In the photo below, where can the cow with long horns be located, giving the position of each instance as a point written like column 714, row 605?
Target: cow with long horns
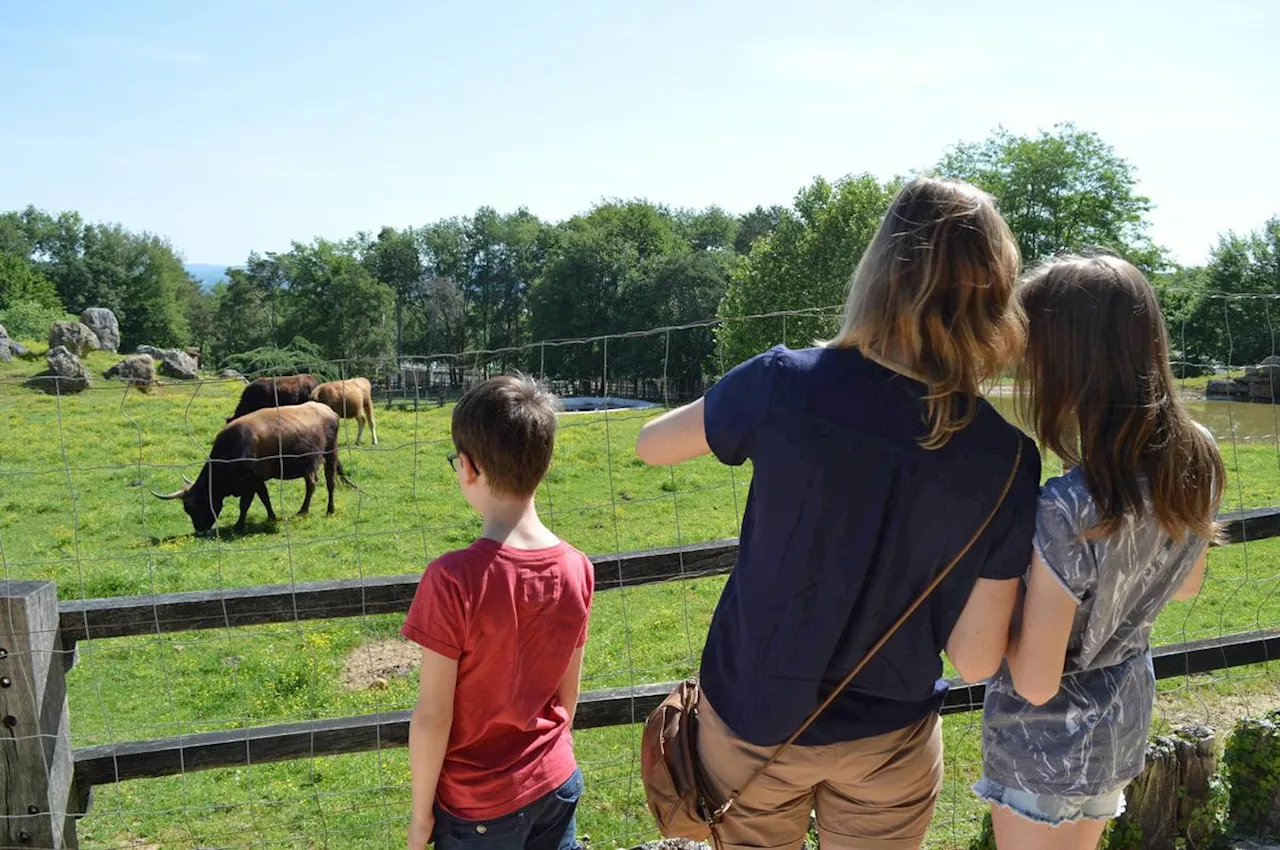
column 273, row 392
column 276, row 442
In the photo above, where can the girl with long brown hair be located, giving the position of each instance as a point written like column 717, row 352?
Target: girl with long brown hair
column 1124, row 530
column 875, row 459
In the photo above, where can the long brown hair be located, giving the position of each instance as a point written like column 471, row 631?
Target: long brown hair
column 934, row 294
column 1097, row 387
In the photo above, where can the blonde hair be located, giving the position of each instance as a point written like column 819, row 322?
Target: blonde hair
column 933, row 293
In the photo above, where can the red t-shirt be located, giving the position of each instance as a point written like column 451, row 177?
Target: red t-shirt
column 512, row 619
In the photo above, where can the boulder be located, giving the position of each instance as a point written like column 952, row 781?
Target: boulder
column 173, row 362
column 66, row 374
column 1270, row 360
column 103, row 323
column 135, row 369
column 73, row 336
column 10, row 348
column 1226, row 387
column 232, row 375
column 1262, row 389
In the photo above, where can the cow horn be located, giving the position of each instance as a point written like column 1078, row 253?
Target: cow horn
column 176, row 494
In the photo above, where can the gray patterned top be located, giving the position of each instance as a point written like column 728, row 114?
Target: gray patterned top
column 1091, row 738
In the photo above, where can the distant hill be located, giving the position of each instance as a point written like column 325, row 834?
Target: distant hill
column 206, row 273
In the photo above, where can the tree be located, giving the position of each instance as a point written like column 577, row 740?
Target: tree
column 672, row 291
column 504, row 254
column 761, row 221
column 20, row 280
column 248, row 307
column 1247, row 330
column 441, row 316
column 394, row 260
column 1061, row 190
column 594, row 277
column 335, row 303
column 805, row 263
column 711, row 229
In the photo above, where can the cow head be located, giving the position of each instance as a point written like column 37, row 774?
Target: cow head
column 200, row 502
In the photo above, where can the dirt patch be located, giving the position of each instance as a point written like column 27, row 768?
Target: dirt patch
column 1220, row 711
column 374, row 665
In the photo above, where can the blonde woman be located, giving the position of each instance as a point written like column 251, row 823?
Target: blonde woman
column 875, row 460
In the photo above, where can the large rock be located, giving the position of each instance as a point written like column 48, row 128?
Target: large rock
column 103, row 323
column 66, row 374
column 1263, row 390
column 10, row 348
column 1226, row 387
column 173, row 363
column 137, row 369
column 73, row 336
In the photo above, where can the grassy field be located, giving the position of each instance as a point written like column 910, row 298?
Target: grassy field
column 75, row 508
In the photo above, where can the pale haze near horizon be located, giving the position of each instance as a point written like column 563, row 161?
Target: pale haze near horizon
column 247, row 125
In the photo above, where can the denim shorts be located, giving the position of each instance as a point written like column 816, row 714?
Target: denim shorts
column 1050, row 809
column 548, row 823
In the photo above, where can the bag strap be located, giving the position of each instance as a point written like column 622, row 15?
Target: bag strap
column 857, row 668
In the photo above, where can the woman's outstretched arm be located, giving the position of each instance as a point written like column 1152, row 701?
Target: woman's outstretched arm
column 675, row 436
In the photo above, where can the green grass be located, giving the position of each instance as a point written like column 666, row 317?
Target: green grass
column 75, row 508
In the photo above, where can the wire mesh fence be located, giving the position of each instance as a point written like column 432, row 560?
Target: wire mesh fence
column 76, row 508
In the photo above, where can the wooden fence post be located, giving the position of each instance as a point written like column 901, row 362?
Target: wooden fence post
column 35, row 738
column 1166, row 801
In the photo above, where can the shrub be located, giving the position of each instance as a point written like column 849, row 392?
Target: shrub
column 1252, row 761
column 29, row 321
column 298, row 357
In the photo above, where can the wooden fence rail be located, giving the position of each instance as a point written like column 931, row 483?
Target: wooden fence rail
column 612, row 707
column 286, row 603
column 46, row 784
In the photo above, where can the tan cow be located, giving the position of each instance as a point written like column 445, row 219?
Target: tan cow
column 350, row 399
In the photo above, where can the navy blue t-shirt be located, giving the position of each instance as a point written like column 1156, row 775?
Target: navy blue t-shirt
column 848, row 519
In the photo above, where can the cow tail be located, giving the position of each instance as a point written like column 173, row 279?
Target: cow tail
column 342, row 474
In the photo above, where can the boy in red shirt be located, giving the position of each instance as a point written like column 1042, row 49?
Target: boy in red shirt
column 502, row 625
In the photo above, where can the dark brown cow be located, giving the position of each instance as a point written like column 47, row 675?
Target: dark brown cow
column 275, row 442
column 270, row 392
column 350, row 399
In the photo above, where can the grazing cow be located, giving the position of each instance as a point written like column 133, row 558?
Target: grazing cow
column 350, row 399
column 270, row 392
column 276, row 442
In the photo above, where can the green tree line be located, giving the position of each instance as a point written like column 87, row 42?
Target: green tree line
column 497, row 282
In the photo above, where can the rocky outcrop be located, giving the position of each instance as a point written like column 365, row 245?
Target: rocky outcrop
column 174, row 363
column 103, row 323
column 74, row 337
column 138, row 369
column 1259, row 383
column 66, row 374
column 10, row 348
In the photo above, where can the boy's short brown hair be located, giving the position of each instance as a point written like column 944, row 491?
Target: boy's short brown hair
column 507, row 426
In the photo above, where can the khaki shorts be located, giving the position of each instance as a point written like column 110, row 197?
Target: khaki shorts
column 872, row 794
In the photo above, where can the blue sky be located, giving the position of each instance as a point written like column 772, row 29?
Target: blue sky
column 243, row 125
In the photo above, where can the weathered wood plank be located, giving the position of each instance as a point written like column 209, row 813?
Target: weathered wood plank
column 612, row 707
column 36, row 764
column 1253, row 524
column 285, row 603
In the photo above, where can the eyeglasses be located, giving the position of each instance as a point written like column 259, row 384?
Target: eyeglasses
column 452, row 457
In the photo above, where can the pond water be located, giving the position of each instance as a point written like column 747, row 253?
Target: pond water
column 1247, row 421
